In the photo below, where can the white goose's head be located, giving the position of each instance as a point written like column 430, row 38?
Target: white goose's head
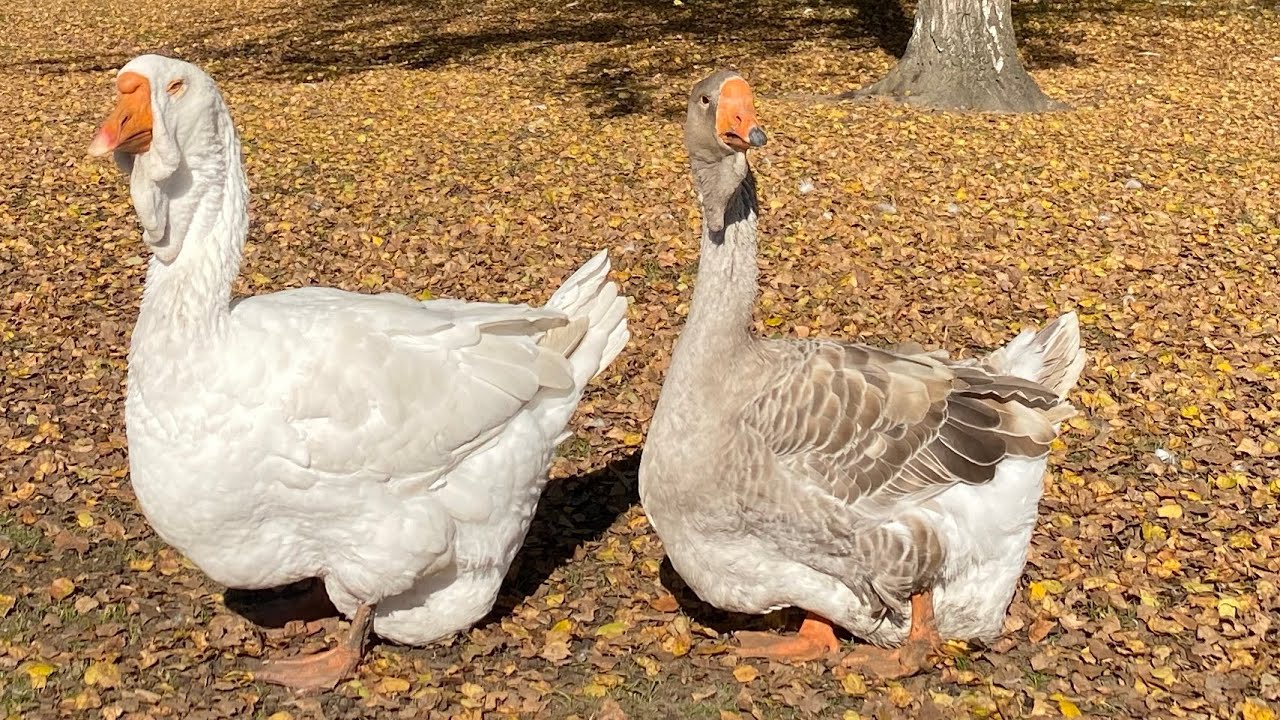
column 720, row 127
column 169, row 130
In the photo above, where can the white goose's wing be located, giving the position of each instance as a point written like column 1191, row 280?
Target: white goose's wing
column 381, row 388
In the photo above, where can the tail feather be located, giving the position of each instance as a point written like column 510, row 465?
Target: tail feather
column 1052, row 357
column 597, row 328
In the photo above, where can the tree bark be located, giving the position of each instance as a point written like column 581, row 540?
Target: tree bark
column 963, row 56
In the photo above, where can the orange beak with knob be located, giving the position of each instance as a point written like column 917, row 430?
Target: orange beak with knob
column 128, row 127
column 736, row 123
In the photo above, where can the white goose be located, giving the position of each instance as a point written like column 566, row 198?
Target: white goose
column 393, row 448
column 892, row 493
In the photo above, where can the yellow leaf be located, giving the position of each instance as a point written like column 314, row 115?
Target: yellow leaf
column 554, row 600
column 1170, row 511
column 608, row 680
column 1190, row 412
column 564, row 627
column 850, row 715
column 472, row 690
column 84, row 519
column 6, row 604
column 141, row 565
column 745, row 673
column 1165, row 675
column 1065, row 706
column 1256, row 710
column 1036, row 592
column 392, row 685
column 62, row 587
column 1040, row 588
column 611, row 630
column 102, row 674
column 594, row 690
column 632, row 439
column 38, row 673
column 774, row 321
column 651, row 666
column 678, row 644
column 281, row 715
column 900, row 696
column 1227, row 607
column 1153, row 533
column 854, row 685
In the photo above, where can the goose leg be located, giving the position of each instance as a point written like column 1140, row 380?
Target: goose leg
column 322, row 670
column 908, row 659
column 815, row 639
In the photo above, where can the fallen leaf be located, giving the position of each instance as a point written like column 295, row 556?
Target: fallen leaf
column 391, row 685
column 38, row 673
column 102, row 674
column 61, row 588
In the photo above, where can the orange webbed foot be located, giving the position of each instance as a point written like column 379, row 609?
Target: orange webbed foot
column 911, row 657
column 323, row 670
column 815, row 640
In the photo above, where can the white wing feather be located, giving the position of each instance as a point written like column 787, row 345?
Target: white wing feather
column 383, row 388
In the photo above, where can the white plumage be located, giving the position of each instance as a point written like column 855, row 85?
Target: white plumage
column 395, row 448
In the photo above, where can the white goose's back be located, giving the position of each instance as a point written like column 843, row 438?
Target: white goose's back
column 383, row 444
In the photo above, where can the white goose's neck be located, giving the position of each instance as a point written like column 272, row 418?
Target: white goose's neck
column 190, row 297
column 725, row 292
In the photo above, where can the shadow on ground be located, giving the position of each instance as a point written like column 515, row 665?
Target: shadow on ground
column 572, row 513
column 626, row 46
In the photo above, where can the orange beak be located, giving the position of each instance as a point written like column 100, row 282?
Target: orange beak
column 128, row 127
column 736, row 122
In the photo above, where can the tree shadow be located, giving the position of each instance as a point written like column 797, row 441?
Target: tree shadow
column 885, row 21
column 572, row 512
column 624, row 52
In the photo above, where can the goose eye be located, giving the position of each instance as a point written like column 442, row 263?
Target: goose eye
column 705, row 101
column 176, row 87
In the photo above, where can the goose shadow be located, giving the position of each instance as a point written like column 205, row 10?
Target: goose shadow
column 572, row 511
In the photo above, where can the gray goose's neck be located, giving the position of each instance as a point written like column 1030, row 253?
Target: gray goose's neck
column 208, row 199
column 725, row 292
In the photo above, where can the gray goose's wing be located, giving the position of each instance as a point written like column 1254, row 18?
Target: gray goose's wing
column 857, row 438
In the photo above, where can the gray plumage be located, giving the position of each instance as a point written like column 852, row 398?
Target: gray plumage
column 812, row 472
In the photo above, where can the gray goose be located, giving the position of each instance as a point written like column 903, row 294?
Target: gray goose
column 888, row 492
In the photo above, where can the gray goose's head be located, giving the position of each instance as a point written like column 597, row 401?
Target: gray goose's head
column 719, row 128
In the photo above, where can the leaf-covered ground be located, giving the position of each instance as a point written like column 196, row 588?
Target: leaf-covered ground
column 483, row 150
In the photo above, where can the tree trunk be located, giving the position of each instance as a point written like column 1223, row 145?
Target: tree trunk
column 963, row 56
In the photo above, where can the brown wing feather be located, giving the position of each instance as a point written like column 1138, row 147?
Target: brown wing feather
column 872, row 426
column 862, row 435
